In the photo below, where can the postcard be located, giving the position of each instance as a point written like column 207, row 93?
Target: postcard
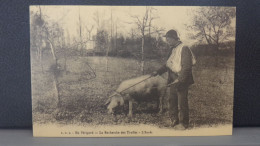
column 132, row 71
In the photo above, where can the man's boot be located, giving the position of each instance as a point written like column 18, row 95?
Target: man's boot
column 174, row 122
column 180, row 126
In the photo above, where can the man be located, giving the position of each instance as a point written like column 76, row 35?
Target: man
column 179, row 68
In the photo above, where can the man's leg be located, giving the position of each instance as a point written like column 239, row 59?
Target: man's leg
column 183, row 107
column 173, row 106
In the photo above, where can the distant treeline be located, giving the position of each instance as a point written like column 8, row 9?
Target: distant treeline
column 225, row 49
column 130, row 47
column 154, row 48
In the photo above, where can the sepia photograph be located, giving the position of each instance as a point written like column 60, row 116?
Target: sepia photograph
column 132, row 71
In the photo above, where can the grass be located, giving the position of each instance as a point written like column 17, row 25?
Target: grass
column 82, row 100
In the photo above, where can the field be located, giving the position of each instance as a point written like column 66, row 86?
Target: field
column 82, row 98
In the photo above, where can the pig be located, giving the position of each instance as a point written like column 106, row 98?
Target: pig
column 144, row 91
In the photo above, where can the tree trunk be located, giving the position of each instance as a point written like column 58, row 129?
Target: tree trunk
column 116, row 41
column 106, row 63
column 80, row 35
column 55, row 74
column 41, row 60
column 107, row 56
column 65, row 60
column 56, row 88
column 52, row 50
column 142, row 62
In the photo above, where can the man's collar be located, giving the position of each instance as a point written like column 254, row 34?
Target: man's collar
column 176, row 45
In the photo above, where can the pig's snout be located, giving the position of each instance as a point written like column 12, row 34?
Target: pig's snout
column 110, row 111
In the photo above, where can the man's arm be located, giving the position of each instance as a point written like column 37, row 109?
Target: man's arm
column 162, row 70
column 186, row 64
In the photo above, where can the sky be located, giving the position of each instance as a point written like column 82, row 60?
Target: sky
column 168, row 17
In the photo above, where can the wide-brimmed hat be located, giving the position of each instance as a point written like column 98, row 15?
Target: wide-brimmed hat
column 172, row 34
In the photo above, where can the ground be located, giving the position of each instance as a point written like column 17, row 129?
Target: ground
column 83, row 98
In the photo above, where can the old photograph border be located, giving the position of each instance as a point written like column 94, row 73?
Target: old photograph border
column 95, row 70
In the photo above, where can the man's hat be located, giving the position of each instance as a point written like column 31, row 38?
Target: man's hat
column 172, row 34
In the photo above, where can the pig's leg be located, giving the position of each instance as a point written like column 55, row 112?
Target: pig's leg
column 130, row 114
column 160, row 102
column 161, row 98
column 125, row 108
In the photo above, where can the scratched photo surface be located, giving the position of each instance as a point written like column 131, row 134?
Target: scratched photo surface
column 91, row 70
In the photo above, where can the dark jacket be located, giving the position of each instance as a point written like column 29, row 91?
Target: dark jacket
column 185, row 76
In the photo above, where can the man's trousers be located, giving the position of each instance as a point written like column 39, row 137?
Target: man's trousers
column 178, row 104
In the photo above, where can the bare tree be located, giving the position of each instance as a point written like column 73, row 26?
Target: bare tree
column 151, row 18
column 158, row 32
column 111, row 36
column 52, row 34
column 143, row 23
column 81, row 45
column 116, row 34
column 133, row 33
column 97, row 20
column 100, row 22
column 101, row 39
column 38, row 35
column 213, row 24
column 89, row 30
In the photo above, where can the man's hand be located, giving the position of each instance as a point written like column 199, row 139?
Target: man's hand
column 174, row 83
column 155, row 73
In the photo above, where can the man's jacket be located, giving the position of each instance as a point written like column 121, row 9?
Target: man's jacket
column 184, row 76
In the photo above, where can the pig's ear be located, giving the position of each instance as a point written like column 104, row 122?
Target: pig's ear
column 108, row 101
